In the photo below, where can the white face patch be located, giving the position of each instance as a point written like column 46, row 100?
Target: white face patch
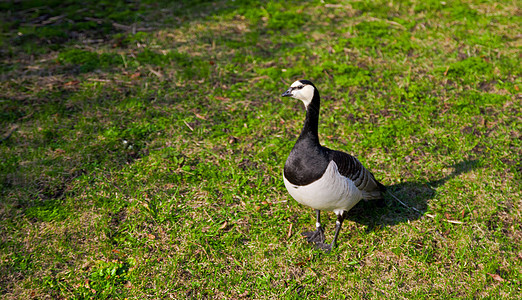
column 296, row 84
column 305, row 94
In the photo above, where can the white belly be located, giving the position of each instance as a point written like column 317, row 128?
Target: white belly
column 331, row 192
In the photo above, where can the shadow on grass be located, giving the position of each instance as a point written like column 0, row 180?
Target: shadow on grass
column 414, row 193
column 74, row 32
column 38, row 25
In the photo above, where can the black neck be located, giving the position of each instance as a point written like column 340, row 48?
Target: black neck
column 311, row 123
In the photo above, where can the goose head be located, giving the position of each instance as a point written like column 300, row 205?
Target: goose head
column 303, row 90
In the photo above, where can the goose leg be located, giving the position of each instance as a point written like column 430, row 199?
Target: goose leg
column 316, row 236
column 338, row 224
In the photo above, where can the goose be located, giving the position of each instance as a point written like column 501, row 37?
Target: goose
column 321, row 178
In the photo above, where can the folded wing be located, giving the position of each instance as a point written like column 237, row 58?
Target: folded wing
column 351, row 168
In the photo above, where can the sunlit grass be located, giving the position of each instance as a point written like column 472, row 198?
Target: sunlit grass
column 142, row 146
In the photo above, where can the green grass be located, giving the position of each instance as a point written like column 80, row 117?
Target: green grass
column 142, row 146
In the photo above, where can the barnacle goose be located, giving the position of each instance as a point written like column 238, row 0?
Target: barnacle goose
column 322, row 178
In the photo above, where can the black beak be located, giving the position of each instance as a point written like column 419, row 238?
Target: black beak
column 288, row 93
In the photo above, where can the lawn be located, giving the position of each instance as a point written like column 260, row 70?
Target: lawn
column 142, row 145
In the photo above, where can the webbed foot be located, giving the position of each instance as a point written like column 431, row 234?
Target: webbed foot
column 323, row 246
column 315, row 236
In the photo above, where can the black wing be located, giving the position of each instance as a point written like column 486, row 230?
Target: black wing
column 363, row 179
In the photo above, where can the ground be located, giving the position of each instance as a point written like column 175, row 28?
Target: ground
column 142, row 146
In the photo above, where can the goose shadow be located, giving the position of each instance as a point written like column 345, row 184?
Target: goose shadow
column 389, row 212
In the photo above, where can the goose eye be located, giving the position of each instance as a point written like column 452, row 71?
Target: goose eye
column 300, row 87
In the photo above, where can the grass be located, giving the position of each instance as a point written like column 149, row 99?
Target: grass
column 142, row 145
